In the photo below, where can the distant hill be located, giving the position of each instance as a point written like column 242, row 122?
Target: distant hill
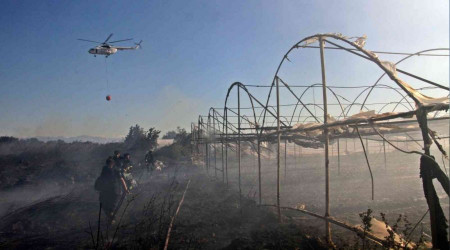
column 95, row 139
column 81, row 138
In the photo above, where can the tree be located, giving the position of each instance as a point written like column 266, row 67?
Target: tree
column 137, row 138
column 8, row 139
column 182, row 137
column 179, row 149
column 152, row 138
column 170, row 135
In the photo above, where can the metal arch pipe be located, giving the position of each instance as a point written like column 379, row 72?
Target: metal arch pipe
column 400, row 103
column 306, row 118
column 304, row 92
column 214, row 143
column 200, row 125
column 218, row 121
column 400, row 93
column 251, row 97
column 243, row 116
column 303, row 105
column 401, row 60
column 278, row 70
column 397, row 104
column 225, row 128
column 207, row 140
column 221, row 139
column 239, row 146
column 355, row 104
column 392, row 76
column 325, row 132
column 193, row 138
column 300, row 112
column 354, row 101
column 267, row 110
column 340, row 104
column 248, row 120
column 219, row 115
column 231, row 124
column 315, row 105
column 242, row 86
column 385, row 86
column 281, row 117
column 214, row 117
column 299, row 100
column 368, row 56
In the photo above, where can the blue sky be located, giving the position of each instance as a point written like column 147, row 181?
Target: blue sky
column 192, row 52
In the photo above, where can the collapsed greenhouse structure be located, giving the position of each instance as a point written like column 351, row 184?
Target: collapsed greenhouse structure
column 275, row 148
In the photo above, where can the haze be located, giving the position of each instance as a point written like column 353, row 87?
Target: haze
column 192, row 52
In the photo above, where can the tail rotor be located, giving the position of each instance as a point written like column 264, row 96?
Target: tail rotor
column 138, row 45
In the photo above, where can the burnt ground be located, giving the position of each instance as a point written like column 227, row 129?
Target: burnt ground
column 212, row 216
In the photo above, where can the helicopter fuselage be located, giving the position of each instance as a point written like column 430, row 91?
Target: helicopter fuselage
column 100, row 50
column 106, row 49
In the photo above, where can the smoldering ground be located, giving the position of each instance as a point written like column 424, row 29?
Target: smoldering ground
column 211, row 217
column 398, row 187
column 49, row 201
column 60, row 210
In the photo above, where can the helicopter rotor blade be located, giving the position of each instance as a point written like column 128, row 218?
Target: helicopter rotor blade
column 110, row 35
column 88, row 41
column 122, row 40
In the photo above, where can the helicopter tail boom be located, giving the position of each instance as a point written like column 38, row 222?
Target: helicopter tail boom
column 138, row 45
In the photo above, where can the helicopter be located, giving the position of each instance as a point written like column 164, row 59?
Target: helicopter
column 105, row 48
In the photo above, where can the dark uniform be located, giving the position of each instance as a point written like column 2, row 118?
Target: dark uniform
column 111, row 188
column 127, row 164
column 118, row 161
column 149, row 160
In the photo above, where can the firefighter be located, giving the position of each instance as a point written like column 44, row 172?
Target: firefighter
column 127, row 165
column 149, row 161
column 111, row 185
column 117, row 159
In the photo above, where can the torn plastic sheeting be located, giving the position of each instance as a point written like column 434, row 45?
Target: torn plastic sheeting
column 361, row 41
column 336, row 34
column 424, row 99
column 392, row 72
column 308, row 133
column 314, row 137
column 368, row 115
column 310, row 41
column 390, row 67
column 372, row 54
column 308, row 144
column 363, row 114
column 356, row 117
column 385, row 129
